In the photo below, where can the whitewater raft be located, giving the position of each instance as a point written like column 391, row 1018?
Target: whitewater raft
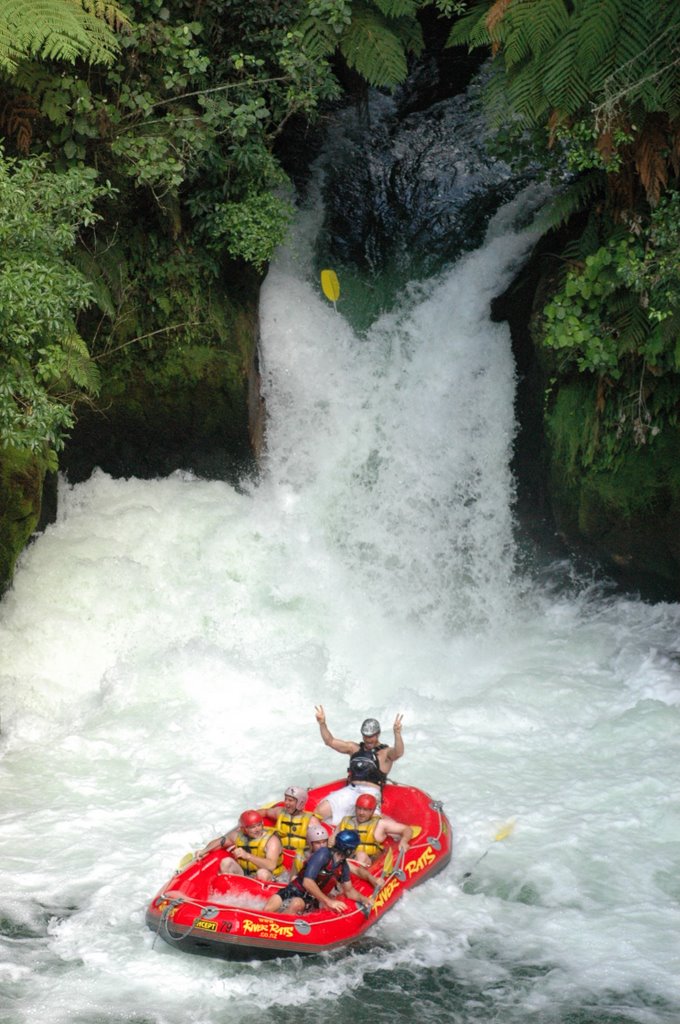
column 201, row 911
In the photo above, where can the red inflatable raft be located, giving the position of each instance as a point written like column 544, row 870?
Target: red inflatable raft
column 201, row 911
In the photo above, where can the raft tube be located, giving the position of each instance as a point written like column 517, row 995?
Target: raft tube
column 203, row 912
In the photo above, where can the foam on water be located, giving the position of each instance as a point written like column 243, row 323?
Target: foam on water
column 165, row 641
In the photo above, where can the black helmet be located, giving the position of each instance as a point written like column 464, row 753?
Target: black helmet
column 370, row 727
column 347, row 841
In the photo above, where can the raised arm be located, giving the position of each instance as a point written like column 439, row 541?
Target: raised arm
column 342, row 746
column 397, row 750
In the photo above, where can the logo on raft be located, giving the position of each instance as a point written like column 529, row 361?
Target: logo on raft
column 424, row 861
column 267, row 929
column 207, row 926
column 385, row 893
column 412, row 868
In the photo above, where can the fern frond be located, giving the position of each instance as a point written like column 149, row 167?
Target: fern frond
column 397, row 8
column 598, row 28
column 94, row 271
column 650, row 158
column 319, row 38
column 564, row 84
column 630, row 321
column 17, row 117
column 526, row 93
column 577, row 196
column 374, row 50
column 471, row 28
column 77, row 365
column 111, row 13
column 53, row 30
column 539, row 24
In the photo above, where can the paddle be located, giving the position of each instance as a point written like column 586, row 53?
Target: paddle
column 330, row 286
column 503, row 833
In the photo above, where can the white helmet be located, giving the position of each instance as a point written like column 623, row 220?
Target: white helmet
column 299, row 794
column 316, row 834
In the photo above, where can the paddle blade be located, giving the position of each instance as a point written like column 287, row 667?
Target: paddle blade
column 330, row 285
column 389, row 862
column 505, row 831
column 415, row 831
column 186, row 859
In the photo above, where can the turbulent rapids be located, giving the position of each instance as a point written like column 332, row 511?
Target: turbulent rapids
column 165, row 643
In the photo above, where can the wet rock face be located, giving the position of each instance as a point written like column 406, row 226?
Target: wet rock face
column 413, row 191
column 21, row 482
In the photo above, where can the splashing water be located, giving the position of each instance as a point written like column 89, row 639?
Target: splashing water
column 165, row 641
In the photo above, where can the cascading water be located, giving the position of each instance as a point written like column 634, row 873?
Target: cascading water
column 165, row 641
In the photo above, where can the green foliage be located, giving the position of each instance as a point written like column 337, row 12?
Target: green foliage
column 21, row 478
column 374, row 37
column 600, row 77
column 616, row 319
column 582, row 152
column 559, row 56
column 65, row 30
column 251, row 229
column 596, row 472
column 622, row 302
column 577, row 195
column 45, row 366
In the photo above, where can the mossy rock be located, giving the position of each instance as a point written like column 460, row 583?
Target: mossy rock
column 22, row 475
column 628, row 515
column 189, row 408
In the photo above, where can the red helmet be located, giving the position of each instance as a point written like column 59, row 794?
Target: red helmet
column 367, row 801
column 250, row 818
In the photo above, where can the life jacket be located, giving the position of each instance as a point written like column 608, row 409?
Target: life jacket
column 331, row 875
column 258, row 847
column 366, row 829
column 364, row 765
column 292, row 830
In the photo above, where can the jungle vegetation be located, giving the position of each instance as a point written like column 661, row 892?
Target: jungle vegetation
column 599, row 80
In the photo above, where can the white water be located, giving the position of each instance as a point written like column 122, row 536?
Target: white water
column 165, row 642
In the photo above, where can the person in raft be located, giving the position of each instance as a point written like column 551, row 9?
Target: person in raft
column 373, row 829
column 256, row 850
column 370, row 762
column 326, row 870
column 293, row 823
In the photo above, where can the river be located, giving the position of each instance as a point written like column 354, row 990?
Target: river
column 165, row 642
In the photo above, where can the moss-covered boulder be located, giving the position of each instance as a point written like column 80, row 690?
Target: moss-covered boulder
column 191, row 406
column 628, row 513
column 22, row 475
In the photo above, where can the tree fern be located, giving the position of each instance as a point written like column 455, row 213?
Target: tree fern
column 574, row 198
column 319, row 38
column 375, row 43
column 77, row 366
column 65, row 30
column 372, row 49
column 398, row 8
column 614, row 63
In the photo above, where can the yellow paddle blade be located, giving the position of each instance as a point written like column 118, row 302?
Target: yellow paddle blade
column 330, row 285
column 415, row 831
column 389, row 862
column 186, row 859
column 504, row 832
